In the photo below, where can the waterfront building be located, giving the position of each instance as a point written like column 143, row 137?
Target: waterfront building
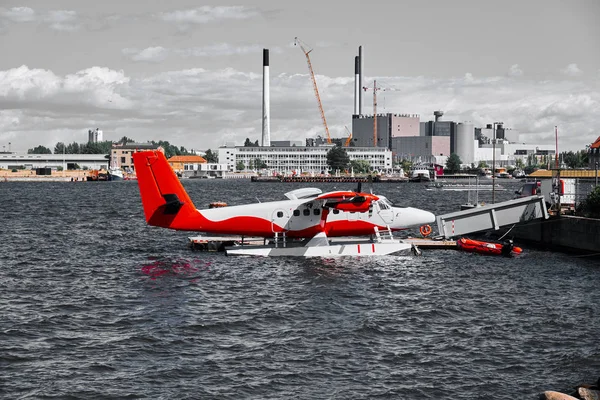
column 594, row 154
column 204, row 170
column 181, row 163
column 53, row 161
column 507, row 153
column 299, row 159
column 121, row 155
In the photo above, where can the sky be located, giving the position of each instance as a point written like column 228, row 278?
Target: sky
column 190, row 72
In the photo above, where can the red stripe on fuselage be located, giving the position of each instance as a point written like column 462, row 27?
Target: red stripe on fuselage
column 256, row 226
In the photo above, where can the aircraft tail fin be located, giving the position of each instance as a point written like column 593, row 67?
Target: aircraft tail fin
column 165, row 201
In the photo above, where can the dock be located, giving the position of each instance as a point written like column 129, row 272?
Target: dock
column 426, row 243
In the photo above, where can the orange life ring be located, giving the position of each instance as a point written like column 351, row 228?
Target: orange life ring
column 425, row 230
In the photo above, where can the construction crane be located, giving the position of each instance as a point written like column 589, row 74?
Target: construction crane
column 375, row 89
column 349, row 138
column 314, row 81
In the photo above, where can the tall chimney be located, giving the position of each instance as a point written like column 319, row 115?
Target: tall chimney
column 356, row 85
column 266, row 128
column 360, row 83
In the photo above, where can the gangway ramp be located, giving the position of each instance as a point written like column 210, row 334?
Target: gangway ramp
column 492, row 216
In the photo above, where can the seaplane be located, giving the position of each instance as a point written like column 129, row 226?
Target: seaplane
column 308, row 223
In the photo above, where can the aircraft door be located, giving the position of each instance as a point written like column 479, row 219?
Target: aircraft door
column 385, row 211
column 280, row 218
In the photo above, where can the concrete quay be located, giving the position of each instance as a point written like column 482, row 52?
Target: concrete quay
column 561, row 233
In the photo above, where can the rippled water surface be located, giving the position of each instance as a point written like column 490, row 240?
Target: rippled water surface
column 96, row 304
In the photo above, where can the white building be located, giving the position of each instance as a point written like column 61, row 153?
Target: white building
column 507, row 154
column 204, row 170
column 299, row 159
column 65, row 161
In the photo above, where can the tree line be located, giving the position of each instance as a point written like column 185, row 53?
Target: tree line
column 105, row 147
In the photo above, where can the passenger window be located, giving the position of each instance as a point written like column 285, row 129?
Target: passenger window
column 296, row 213
column 279, row 214
column 336, row 211
column 317, row 211
column 306, row 211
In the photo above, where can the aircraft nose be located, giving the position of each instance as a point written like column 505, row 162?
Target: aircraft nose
column 423, row 217
column 416, row 217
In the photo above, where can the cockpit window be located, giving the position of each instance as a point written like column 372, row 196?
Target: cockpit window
column 392, row 204
column 383, row 205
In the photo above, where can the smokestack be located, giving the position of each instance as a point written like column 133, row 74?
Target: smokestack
column 360, row 83
column 438, row 115
column 356, row 84
column 266, row 128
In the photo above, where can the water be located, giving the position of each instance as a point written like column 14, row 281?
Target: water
column 96, row 304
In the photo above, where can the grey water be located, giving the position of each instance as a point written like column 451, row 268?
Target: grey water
column 96, row 304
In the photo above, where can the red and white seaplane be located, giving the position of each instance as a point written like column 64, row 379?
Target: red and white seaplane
column 308, row 224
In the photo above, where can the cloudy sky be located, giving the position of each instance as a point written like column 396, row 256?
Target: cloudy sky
column 190, row 71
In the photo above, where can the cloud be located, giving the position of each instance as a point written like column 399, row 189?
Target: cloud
column 158, row 54
column 59, row 20
column 18, row 14
column 571, row 70
column 222, row 49
column 93, row 86
column 62, row 20
column 201, row 108
column 207, row 14
column 150, row 54
column 515, row 71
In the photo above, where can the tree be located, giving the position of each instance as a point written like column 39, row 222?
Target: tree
column 575, row 160
column 248, row 143
column 259, row 164
column 482, row 164
column 240, row 166
column 406, row 165
column 59, row 148
column 453, row 163
column 73, row 148
column 591, row 205
column 360, row 166
column 92, row 148
column 124, row 140
column 519, row 163
column 337, row 159
column 211, row 157
column 39, row 150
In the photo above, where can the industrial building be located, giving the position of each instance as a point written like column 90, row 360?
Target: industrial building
column 95, row 136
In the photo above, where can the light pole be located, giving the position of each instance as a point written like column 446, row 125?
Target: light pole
column 596, row 173
column 494, row 125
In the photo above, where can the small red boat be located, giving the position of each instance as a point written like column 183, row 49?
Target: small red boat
column 498, row 249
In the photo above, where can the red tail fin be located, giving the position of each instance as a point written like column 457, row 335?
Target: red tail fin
column 166, row 203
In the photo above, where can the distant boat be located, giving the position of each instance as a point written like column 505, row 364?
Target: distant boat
column 115, row 174
column 419, row 173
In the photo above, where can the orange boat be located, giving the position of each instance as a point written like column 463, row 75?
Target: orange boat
column 498, row 249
